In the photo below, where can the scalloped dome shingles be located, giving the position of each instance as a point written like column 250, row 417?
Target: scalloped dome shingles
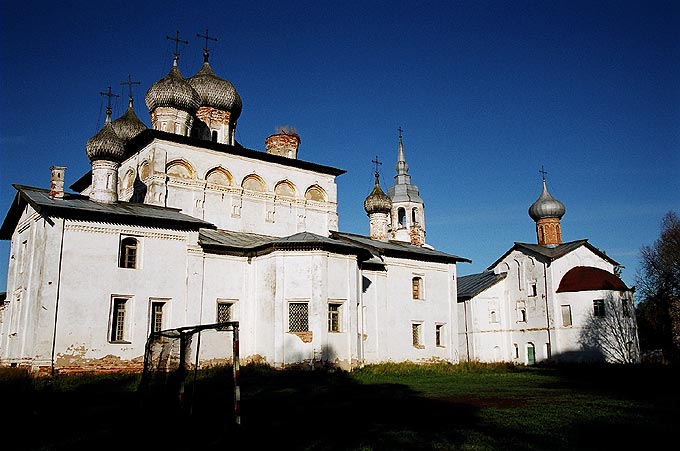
column 546, row 206
column 377, row 201
column 105, row 145
column 173, row 91
column 216, row 92
column 128, row 125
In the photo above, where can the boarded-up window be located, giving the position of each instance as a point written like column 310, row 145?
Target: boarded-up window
column 253, row 183
column 315, row 193
column 284, row 189
column 219, row 177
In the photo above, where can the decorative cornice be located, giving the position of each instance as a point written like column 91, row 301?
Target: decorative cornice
column 147, row 233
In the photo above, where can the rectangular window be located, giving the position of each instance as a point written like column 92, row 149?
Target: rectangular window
column 157, row 308
column 598, row 308
column 521, row 312
column 334, row 317
column 532, row 289
column 127, row 257
column 566, row 315
column 439, row 334
column 298, row 317
column 119, row 320
column 225, row 313
column 417, row 287
column 625, row 307
column 416, row 335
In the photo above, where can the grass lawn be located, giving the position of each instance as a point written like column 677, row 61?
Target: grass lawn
column 379, row 407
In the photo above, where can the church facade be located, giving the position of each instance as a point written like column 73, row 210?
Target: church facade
column 548, row 301
column 179, row 225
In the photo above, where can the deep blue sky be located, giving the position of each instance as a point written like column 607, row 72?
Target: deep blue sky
column 486, row 92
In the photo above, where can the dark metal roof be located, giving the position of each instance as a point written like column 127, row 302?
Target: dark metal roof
column 551, row 252
column 149, row 135
column 252, row 244
column 399, row 249
column 78, row 207
column 471, row 285
column 588, row 278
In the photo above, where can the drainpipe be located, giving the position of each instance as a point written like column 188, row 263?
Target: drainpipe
column 56, row 304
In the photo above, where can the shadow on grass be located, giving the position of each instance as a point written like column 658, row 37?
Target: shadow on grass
column 319, row 410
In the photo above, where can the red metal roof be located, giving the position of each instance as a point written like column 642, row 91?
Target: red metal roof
column 586, row 278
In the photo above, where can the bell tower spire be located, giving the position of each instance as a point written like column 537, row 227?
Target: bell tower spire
column 408, row 208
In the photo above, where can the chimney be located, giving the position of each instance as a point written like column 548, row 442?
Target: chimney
column 57, row 182
column 284, row 143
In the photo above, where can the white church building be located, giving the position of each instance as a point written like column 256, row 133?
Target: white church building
column 179, row 225
column 548, row 301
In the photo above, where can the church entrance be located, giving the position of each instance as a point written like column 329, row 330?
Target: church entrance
column 531, row 354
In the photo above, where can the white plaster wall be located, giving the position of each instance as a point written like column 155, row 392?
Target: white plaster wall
column 400, row 311
column 260, row 212
column 91, row 276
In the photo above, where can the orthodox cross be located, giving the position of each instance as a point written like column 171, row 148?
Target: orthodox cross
column 543, row 172
column 400, row 130
column 129, row 83
column 177, row 41
column 108, row 94
column 206, row 36
column 377, row 163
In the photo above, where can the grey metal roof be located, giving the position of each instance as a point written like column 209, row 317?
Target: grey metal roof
column 399, row 249
column 553, row 252
column 473, row 284
column 78, row 207
column 252, row 244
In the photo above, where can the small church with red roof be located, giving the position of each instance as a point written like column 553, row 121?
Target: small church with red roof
column 550, row 301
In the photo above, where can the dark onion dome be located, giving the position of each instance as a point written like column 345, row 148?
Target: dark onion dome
column 105, row 145
column 216, row 92
column 546, row 206
column 377, row 201
column 173, row 91
column 128, row 125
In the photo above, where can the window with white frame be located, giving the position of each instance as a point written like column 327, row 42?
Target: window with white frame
column 417, row 287
column 157, row 315
column 119, row 321
column 417, row 335
column 225, row 311
column 521, row 312
column 532, row 288
column 128, row 251
column 439, row 335
column 493, row 316
column 334, row 316
column 298, row 316
column 566, row 315
column 598, row 308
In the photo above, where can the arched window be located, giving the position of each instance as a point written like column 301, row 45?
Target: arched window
column 284, row 189
column 414, row 216
column 401, row 217
column 494, row 316
column 315, row 193
column 253, row 183
column 219, row 176
column 180, row 169
column 128, row 253
column 214, row 136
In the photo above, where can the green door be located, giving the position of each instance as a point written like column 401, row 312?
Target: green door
column 531, row 354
